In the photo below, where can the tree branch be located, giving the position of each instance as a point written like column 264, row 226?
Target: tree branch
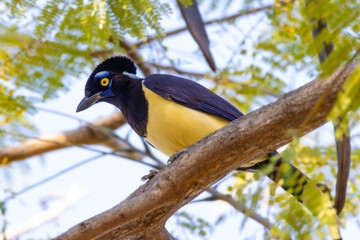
column 170, row 69
column 343, row 145
column 241, row 208
column 216, row 20
column 131, row 52
column 93, row 133
column 177, row 70
column 143, row 214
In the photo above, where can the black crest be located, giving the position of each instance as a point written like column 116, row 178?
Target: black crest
column 116, row 64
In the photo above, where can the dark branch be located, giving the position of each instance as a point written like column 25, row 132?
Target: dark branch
column 343, row 146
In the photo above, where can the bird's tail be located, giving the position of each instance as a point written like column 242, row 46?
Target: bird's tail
column 302, row 188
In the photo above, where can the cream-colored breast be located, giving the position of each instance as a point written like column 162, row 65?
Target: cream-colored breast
column 172, row 127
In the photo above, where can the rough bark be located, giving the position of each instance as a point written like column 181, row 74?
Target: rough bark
column 143, row 214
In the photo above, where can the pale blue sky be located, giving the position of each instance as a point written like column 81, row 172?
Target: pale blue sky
column 109, row 180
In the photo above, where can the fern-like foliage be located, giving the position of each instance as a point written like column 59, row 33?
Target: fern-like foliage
column 42, row 42
column 291, row 43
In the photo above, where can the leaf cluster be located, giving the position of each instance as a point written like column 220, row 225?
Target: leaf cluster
column 290, row 43
column 46, row 45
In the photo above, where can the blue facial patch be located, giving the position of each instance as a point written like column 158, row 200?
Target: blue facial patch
column 102, row 74
column 107, row 93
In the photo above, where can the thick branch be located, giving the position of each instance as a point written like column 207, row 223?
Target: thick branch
column 94, row 133
column 143, row 214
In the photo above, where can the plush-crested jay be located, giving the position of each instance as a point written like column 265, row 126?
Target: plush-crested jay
column 172, row 113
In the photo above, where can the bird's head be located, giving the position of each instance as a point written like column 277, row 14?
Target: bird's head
column 107, row 81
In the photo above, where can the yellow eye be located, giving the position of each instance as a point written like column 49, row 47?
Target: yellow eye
column 104, row 82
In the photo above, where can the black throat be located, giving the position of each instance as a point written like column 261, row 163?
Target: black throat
column 132, row 103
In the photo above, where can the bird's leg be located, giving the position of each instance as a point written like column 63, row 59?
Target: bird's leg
column 149, row 176
column 175, row 156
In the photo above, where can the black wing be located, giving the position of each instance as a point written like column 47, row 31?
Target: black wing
column 192, row 95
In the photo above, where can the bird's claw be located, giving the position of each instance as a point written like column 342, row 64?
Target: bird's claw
column 175, row 156
column 149, row 176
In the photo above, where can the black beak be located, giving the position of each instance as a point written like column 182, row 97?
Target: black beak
column 88, row 102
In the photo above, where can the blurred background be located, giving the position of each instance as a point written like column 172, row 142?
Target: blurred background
column 59, row 167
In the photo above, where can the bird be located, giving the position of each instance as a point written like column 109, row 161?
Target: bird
column 172, row 113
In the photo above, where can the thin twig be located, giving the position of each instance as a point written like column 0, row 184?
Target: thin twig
column 41, row 182
column 242, row 208
column 216, row 20
column 68, row 169
column 124, row 153
column 63, row 114
column 151, row 155
column 177, row 70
